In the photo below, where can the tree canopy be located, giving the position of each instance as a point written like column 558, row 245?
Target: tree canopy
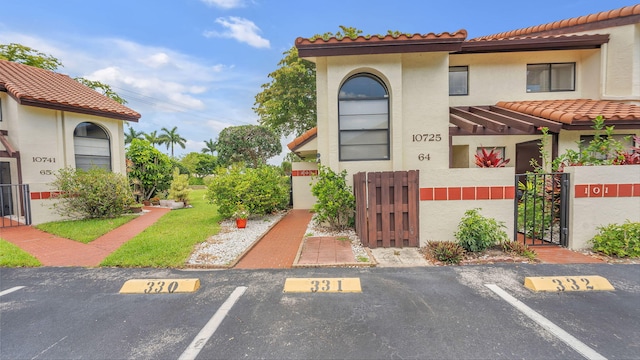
column 148, row 168
column 287, row 104
column 171, row 138
column 251, row 144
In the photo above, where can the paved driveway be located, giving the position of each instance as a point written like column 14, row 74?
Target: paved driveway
column 425, row 312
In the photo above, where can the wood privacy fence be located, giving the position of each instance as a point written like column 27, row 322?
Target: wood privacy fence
column 387, row 208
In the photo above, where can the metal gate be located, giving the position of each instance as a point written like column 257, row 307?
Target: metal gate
column 15, row 205
column 541, row 209
column 387, row 208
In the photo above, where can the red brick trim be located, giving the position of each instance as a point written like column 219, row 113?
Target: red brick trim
column 607, row 190
column 467, row 193
column 304, row 173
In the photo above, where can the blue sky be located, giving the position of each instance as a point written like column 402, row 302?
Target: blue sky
column 198, row 64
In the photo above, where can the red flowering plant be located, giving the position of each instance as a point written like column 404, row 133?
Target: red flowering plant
column 490, row 159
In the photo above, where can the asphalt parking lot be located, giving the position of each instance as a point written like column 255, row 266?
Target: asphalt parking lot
column 419, row 313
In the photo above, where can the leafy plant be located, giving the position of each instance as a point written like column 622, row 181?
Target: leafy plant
column 94, row 193
column 538, row 206
column 518, row 248
column 241, row 211
column 150, row 168
column 446, row 251
column 476, row 232
column 262, row 190
column 336, row 202
column 179, row 190
column 622, row 240
column 490, row 159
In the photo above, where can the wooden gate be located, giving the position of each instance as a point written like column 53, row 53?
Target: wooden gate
column 387, row 208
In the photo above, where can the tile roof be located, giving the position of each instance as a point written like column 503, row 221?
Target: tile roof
column 630, row 13
column 302, row 139
column 378, row 44
column 576, row 110
column 42, row 88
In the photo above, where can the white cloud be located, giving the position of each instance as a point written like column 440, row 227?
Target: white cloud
column 241, row 29
column 225, row 4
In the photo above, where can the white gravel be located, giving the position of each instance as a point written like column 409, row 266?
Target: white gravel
column 225, row 247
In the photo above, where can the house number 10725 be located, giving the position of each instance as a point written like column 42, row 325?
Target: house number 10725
column 426, row 137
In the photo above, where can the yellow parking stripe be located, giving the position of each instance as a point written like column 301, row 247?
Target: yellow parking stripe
column 568, row 283
column 160, row 286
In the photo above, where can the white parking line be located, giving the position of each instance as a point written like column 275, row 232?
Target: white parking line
column 9, row 291
column 567, row 338
column 207, row 331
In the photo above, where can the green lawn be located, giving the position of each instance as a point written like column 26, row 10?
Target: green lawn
column 84, row 231
column 170, row 241
column 13, row 256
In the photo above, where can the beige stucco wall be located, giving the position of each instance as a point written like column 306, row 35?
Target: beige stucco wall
column 491, row 141
column 588, row 213
column 44, row 139
column 302, row 197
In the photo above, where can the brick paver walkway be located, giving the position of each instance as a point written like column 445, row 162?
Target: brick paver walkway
column 326, row 250
column 56, row 251
column 278, row 248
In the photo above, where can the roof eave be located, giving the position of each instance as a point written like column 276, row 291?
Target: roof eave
column 74, row 109
column 534, row 44
column 387, row 47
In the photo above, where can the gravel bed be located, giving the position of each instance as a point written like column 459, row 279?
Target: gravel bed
column 225, row 247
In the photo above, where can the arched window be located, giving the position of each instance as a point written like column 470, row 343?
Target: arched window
column 92, row 147
column 363, row 109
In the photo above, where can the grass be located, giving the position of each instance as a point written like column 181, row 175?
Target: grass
column 13, row 256
column 170, row 241
column 84, row 231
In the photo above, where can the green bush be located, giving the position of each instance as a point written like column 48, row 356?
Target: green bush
column 336, row 203
column 95, row 193
column 446, row 251
column 518, row 248
column 193, row 180
column 179, row 189
column 261, row 191
column 477, row 233
column 618, row 240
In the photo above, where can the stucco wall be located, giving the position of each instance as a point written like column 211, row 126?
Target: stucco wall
column 302, row 174
column 600, row 196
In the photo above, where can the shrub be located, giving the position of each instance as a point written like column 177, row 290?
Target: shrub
column 336, row 202
column 95, row 193
column 477, row 233
column 148, row 168
column 618, row 240
column 179, row 190
column 261, row 191
column 446, row 251
column 193, row 180
column 518, row 248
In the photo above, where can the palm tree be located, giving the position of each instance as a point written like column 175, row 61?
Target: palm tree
column 171, row 138
column 210, row 147
column 132, row 134
column 153, row 138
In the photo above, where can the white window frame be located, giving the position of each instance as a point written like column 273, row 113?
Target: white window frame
column 87, row 147
column 549, row 82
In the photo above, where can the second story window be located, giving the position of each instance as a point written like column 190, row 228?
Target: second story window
column 458, row 80
column 551, row 77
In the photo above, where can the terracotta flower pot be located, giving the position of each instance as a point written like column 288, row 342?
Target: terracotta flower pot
column 241, row 223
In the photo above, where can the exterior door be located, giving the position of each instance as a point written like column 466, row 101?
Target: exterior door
column 6, row 201
column 526, row 151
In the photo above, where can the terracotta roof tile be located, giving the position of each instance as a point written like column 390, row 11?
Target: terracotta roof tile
column 460, row 34
column 42, row 88
column 300, row 140
column 576, row 110
column 566, row 23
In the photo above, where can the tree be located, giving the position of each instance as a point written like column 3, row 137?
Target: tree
column 28, row 56
column 25, row 55
column 287, row 104
column 210, row 147
column 252, row 144
column 132, row 134
column 148, row 168
column 102, row 88
column 171, row 138
column 153, row 138
column 199, row 164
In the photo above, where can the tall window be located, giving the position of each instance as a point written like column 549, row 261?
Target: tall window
column 551, row 77
column 458, row 80
column 91, row 146
column 363, row 109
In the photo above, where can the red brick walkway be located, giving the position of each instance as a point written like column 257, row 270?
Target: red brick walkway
column 278, row 248
column 556, row 254
column 326, row 250
column 55, row 251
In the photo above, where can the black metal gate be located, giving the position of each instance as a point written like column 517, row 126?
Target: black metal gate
column 15, row 202
column 541, row 209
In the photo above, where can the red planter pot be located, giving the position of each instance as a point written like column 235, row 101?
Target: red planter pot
column 241, row 223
